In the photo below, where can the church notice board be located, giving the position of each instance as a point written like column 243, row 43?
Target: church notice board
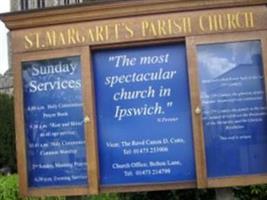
column 142, row 104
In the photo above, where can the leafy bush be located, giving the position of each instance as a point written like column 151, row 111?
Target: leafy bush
column 192, row 194
column 7, row 133
column 102, row 197
column 255, row 192
column 8, row 188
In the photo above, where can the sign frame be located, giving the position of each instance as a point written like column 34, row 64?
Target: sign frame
column 202, row 179
column 140, row 28
column 89, row 127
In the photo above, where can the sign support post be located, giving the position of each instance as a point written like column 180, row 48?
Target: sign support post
column 224, row 194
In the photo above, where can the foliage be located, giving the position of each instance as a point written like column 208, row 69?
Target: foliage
column 171, row 195
column 7, row 133
column 8, row 188
column 256, row 192
column 102, row 197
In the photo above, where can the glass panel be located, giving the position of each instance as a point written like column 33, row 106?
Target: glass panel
column 54, row 129
column 143, row 115
column 234, row 108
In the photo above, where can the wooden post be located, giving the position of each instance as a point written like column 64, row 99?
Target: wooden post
column 224, row 194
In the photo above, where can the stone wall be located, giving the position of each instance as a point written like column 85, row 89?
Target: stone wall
column 6, row 83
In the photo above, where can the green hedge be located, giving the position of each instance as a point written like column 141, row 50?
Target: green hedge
column 7, row 133
column 8, row 188
column 258, row 192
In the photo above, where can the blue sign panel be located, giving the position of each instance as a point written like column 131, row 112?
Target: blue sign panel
column 143, row 115
column 234, row 108
column 53, row 111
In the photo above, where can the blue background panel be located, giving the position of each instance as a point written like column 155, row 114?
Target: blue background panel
column 54, row 123
column 143, row 115
column 234, row 108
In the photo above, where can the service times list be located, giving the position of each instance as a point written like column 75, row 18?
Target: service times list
column 54, row 130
